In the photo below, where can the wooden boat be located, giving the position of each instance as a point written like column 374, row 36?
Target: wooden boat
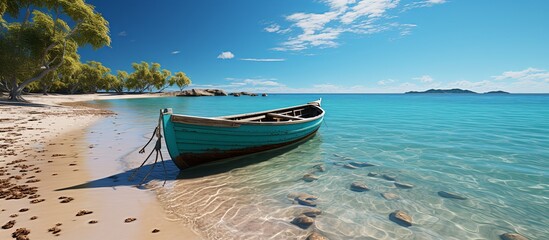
column 195, row 140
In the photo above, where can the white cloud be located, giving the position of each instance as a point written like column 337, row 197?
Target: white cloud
column 261, row 82
column 339, row 4
column 368, row 8
column 275, row 28
column 225, row 55
column 254, row 82
column 526, row 74
column 263, row 59
column 386, row 81
column 424, row 79
column 530, row 80
column 123, row 34
column 323, row 29
column 421, row 4
column 405, row 29
column 175, row 52
column 272, row 28
column 465, row 84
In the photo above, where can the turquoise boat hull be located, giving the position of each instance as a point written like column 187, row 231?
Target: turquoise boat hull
column 194, row 140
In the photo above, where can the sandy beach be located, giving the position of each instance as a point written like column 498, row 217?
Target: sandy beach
column 45, row 165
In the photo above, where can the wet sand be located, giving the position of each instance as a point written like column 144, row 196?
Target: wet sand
column 44, row 167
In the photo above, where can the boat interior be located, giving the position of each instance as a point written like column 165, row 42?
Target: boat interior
column 283, row 115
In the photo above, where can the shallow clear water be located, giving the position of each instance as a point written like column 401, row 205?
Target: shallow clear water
column 492, row 149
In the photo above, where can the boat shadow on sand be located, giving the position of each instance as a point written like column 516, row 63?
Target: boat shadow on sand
column 173, row 173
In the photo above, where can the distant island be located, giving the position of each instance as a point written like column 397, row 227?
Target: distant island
column 497, row 92
column 453, row 91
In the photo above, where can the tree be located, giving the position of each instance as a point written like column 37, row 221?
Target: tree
column 138, row 79
column 181, row 80
column 109, row 81
column 119, row 82
column 93, row 76
column 160, row 77
column 54, row 79
column 145, row 77
column 70, row 78
column 33, row 49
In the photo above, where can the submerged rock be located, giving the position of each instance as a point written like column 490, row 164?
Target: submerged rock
column 349, row 166
column 389, row 177
column 304, row 199
column 312, row 212
column 309, row 177
column 359, row 187
column 512, row 236
column 316, row 236
column 401, row 218
column 403, row 185
column 303, row 221
column 373, row 174
column 361, row 164
column 295, row 195
column 320, row 168
column 445, row 194
column 390, row 196
column 306, row 202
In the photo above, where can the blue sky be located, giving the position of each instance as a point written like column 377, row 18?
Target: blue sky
column 372, row 46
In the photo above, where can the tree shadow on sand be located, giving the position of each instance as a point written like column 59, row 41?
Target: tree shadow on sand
column 22, row 104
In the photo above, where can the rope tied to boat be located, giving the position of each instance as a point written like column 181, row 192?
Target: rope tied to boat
column 157, row 148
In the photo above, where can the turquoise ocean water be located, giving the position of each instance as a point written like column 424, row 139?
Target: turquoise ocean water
column 492, row 149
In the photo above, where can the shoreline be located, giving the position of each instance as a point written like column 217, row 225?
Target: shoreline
column 45, row 146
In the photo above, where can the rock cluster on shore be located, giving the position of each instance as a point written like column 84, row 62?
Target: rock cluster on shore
column 195, row 92
column 238, row 94
column 202, row 92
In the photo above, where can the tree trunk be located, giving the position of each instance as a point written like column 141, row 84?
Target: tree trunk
column 72, row 89
column 15, row 94
column 45, row 88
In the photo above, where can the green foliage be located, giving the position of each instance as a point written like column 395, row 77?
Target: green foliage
column 119, row 82
column 145, row 77
column 39, row 44
column 93, row 76
column 181, row 80
column 33, row 49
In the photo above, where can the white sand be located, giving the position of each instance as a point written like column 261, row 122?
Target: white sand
column 50, row 138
